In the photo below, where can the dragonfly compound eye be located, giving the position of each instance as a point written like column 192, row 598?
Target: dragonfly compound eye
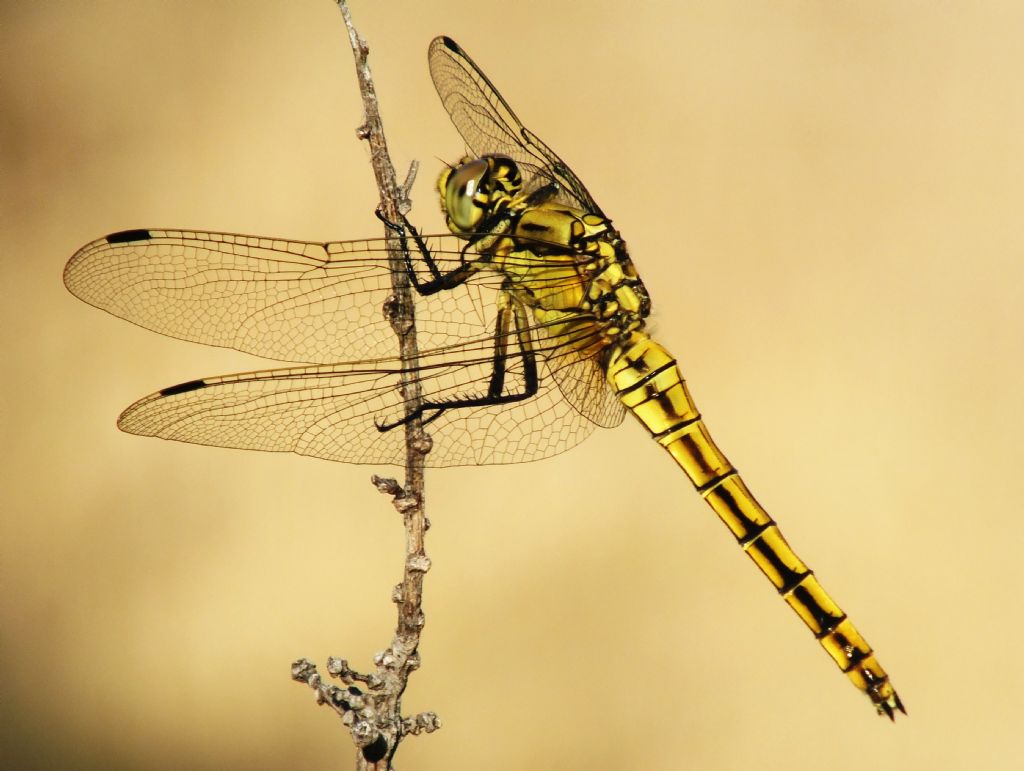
column 478, row 188
column 464, row 200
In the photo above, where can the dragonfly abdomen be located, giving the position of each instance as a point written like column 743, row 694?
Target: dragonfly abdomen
column 647, row 380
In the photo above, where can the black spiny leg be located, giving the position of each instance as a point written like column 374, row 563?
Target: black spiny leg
column 439, row 280
column 509, row 312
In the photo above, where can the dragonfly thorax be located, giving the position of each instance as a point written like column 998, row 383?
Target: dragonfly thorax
column 569, row 266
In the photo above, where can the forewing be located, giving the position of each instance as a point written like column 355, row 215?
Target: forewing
column 298, row 301
column 488, row 124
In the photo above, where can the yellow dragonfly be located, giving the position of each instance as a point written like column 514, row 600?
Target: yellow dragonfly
column 531, row 323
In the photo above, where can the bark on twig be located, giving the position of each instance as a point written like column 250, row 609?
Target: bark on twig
column 370, row 704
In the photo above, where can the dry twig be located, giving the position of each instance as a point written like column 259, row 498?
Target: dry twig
column 370, row 704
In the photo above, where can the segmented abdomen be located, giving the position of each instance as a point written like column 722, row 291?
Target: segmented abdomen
column 648, row 382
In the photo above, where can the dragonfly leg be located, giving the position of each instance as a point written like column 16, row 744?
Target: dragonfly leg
column 510, row 312
column 439, row 281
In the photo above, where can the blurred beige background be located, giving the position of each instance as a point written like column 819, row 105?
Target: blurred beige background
column 825, row 200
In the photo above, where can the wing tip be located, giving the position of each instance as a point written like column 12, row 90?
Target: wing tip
column 183, row 388
column 443, row 40
column 127, row 236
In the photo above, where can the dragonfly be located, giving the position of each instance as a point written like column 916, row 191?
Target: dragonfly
column 531, row 321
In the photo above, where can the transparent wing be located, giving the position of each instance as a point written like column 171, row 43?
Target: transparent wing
column 296, row 301
column 333, row 411
column 488, row 124
column 322, row 303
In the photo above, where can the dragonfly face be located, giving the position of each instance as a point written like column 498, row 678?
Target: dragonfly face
column 478, row 189
column 531, row 321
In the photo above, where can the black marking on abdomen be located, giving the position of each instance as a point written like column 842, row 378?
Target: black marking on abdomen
column 854, row 655
column 680, row 425
column 646, row 378
column 826, row 621
column 790, row 578
column 713, row 483
column 184, row 388
column 794, row 581
column 127, row 236
column 754, row 533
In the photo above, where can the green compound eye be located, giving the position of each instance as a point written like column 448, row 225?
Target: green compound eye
column 460, row 194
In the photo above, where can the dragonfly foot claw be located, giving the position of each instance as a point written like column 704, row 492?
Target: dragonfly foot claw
column 398, row 228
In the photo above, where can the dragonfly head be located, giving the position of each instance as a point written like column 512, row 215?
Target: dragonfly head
column 477, row 188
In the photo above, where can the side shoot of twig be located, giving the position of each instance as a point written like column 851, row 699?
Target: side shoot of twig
column 370, row 704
